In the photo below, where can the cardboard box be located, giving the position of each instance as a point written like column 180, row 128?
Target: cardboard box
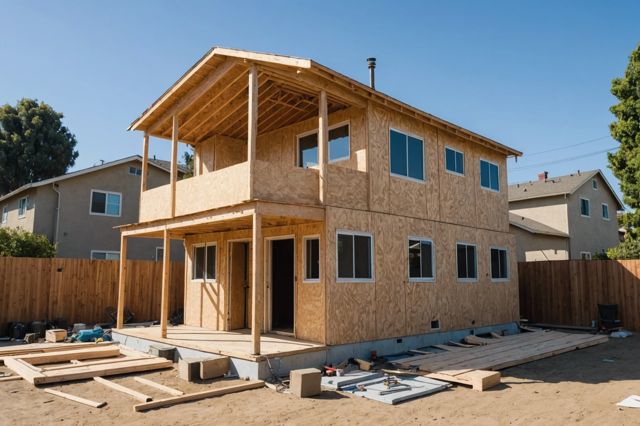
column 55, row 335
column 305, row 382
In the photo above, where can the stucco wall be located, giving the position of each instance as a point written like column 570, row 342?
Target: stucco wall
column 551, row 211
column 13, row 220
column 536, row 247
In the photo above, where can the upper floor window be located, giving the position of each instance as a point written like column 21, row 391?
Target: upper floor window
column 406, row 155
column 499, row 264
column 454, row 161
column 354, row 255
column 339, row 146
column 594, row 184
column 585, row 255
column 585, row 207
column 5, row 214
column 137, row 171
column 467, row 262
column 105, row 255
column 204, row 262
column 311, row 259
column 605, row 211
column 489, row 175
column 105, row 203
column 22, row 206
column 421, row 260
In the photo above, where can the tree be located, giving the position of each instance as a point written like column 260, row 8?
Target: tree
column 20, row 243
column 188, row 162
column 34, row 145
column 625, row 163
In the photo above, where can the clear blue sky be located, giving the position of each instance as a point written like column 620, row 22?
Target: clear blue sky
column 533, row 75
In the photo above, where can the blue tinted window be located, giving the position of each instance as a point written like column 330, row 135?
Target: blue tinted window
column 339, row 143
column 406, row 155
column 308, row 150
column 398, row 153
column 489, row 175
column 454, row 161
column 460, row 163
column 416, row 158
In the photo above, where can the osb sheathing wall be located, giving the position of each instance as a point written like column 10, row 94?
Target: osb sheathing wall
column 392, row 306
column 207, row 303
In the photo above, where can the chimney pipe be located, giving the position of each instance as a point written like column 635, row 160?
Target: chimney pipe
column 372, row 72
column 542, row 177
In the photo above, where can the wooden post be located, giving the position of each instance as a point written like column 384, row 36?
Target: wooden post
column 323, row 137
column 145, row 163
column 252, row 131
column 122, row 281
column 166, row 270
column 174, row 164
column 257, row 280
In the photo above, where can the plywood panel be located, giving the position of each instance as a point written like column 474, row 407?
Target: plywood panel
column 296, row 185
column 378, row 123
column 492, row 207
column 347, row 187
column 310, row 297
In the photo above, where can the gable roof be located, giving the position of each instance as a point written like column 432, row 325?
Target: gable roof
column 560, row 185
column 185, row 90
column 160, row 164
column 533, row 226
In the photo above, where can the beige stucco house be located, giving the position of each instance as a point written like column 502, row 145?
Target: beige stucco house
column 565, row 217
column 78, row 211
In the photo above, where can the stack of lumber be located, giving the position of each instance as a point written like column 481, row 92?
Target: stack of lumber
column 12, row 351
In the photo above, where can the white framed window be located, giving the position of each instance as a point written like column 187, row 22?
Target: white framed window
column 594, row 184
column 585, row 207
column 136, row 171
column 499, row 262
column 422, row 265
column 406, row 155
column 489, row 175
column 23, row 205
column 354, row 255
column 585, row 255
column 466, row 262
column 105, row 255
column 605, row 211
column 339, row 145
column 159, row 254
column 454, row 161
column 311, row 258
column 105, row 203
column 203, row 262
column 5, row 214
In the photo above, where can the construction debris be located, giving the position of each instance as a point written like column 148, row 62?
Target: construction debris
column 393, row 390
column 305, row 382
column 76, row 398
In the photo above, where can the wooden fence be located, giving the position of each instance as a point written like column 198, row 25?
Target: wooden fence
column 568, row 292
column 79, row 290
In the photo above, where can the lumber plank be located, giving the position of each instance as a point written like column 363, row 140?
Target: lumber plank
column 21, row 370
column 256, row 384
column 90, row 371
column 10, row 378
column 163, row 388
column 461, row 345
column 98, row 362
column 449, row 348
column 479, row 380
column 46, row 347
column 76, row 398
column 64, row 356
column 116, row 386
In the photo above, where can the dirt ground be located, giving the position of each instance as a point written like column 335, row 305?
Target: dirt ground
column 577, row 387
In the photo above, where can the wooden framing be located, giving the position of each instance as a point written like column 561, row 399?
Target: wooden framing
column 122, row 280
column 323, row 136
column 257, row 279
column 174, row 164
column 252, row 130
column 166, row 270
column 145, row 163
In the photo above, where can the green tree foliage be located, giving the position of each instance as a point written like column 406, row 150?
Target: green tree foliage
column 188, row 162
column 625, row 163
column 34, row 145
column 20, row 243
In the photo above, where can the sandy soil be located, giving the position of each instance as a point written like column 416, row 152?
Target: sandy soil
column 579, row 386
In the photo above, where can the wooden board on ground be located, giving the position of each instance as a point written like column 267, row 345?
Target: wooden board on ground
column 76, row 398
column 116, row 386
column 163, row 388
column 46, row 347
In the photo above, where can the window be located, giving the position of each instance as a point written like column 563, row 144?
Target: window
column 5, row 214
column 585, row 255
column 421, row 260
column 466, row 260
column 499, row 264
column 22, row 206
column 204, row 262
column 406, row 155
column 135, row 171
column 454, row 161
column 489, row 175
column 605, row 211
column 585, row 208
column 159, row 254
column 339, row 148
column 311, row 259
column 105, row 255
column 354, row 254
column 594, row 184
column 435, row 324
column 105, row 203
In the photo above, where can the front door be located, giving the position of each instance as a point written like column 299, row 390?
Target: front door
column 240, row 289
column 282, row 285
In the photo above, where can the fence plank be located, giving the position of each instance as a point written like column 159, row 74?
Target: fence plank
column 79, row 290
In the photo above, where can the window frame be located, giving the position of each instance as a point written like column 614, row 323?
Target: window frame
column 467, row 280
column 136, row 169
column 371, row 249
column 588, row 257
column 5, row 214
column 453, row 172
column 106, row 252
column 315, row 131
column 107, row 193
column 204, row 278
column 433, row 260
column 588, row 207
column 603, row 205
column 305, row 279
column 480, row 175
column 159, row 259
column 508, row 277
column 424, row 162
column 594, row 184
column 26, row 207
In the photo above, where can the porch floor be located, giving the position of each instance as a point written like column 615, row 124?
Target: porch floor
column 236, row 344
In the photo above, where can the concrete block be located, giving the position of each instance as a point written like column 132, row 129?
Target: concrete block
column 305, row 382
column 162, row 351
column 214, row 367
column 189, row 368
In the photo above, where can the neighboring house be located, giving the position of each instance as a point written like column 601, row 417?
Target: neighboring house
column 78, row 211
column 565, row 217
column 326, row 210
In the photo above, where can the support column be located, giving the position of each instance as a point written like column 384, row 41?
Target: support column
column 252, row 131
column 122, row 285
column 145, row 163
column 166, row 276
column 174, row 164
column 257, row 282
column 323, row 137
